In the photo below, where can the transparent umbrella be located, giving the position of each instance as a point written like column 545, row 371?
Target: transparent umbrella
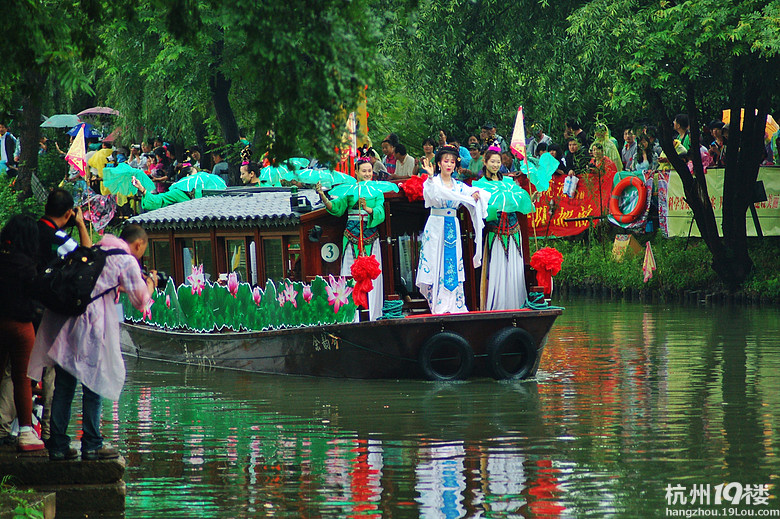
column 369, row 189
column 272, row 176
column 61, row 121
column 327, row 177
column 199, row 181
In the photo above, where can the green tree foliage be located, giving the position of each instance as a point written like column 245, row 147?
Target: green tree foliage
column 693, row 56
column 290, row 79
column 45, row 39
column 455, row 64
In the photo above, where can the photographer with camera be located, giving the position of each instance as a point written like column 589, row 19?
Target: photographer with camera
column 55, row 242
column 85, row 347
column 59, row 215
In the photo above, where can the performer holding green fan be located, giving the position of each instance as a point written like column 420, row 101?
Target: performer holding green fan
column 503, row 277
column 363, row 203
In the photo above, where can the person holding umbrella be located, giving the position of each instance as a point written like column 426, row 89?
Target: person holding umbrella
column 440, row 272
column 151, row 201
column 191, row 185
column 503, row 280
column 365, row 209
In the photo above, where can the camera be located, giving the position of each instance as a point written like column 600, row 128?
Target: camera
column 72, row 220
column 162, row 277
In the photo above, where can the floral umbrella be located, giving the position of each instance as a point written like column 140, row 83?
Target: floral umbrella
column 99, row 210
column 119, row 179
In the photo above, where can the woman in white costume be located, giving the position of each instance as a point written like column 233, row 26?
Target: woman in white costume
column 440, row 272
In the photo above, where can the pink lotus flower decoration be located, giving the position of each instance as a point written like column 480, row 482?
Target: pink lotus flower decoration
column 338, row 292
column 281, row 299
column 289, row 294
column 232, row 284
column 168, row 301
column 196, row 279
column 257, row 295
column 307, row 293
column 147, row 313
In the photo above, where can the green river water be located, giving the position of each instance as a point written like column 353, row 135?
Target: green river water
column 635, row 409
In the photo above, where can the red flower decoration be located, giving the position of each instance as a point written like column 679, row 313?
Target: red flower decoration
column 547, row 263
column 413, row 188
column 364, row 271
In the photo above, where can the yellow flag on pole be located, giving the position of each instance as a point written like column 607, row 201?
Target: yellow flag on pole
column 517, row 144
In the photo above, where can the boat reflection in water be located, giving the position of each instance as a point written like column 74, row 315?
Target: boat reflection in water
column 330, row 448
column 628, row 400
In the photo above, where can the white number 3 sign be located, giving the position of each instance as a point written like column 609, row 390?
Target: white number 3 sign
column 329, row 252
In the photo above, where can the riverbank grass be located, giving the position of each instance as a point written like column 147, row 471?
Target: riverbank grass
column 681, row 265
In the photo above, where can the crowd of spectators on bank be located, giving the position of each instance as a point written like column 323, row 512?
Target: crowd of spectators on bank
column 635, row 148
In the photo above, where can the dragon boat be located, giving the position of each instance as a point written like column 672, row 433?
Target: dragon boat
column 254, row 285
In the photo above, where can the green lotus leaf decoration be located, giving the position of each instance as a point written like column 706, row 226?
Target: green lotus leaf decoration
column 201, row 306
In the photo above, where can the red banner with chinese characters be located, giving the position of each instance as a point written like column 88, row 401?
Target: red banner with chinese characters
column 553, row 207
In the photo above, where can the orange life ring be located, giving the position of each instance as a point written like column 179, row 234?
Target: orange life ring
column 614, row 202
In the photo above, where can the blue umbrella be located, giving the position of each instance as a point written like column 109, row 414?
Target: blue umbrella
column 89, row 133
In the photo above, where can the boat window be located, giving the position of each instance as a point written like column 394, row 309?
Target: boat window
column 253, row 260
column 294, row 258
column 273, row 258
column 197, row 252
column 236, row 257
column 161, row 256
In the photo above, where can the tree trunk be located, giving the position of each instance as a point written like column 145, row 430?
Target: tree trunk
column 743, row 158
column 29, row 132
column 730, row 258
column 219, row 86
column 200, row 137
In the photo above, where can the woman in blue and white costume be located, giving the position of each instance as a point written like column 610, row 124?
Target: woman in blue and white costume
column 440, row 273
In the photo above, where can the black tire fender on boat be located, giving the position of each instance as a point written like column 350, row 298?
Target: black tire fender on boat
column 446, row 356
column 503, row 350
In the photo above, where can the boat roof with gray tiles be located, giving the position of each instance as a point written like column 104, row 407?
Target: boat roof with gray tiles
column 262, row 207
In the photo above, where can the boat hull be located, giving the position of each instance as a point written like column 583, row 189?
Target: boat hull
column 386, row 349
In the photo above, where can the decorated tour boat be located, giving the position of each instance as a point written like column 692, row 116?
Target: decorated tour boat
column 253, row 284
